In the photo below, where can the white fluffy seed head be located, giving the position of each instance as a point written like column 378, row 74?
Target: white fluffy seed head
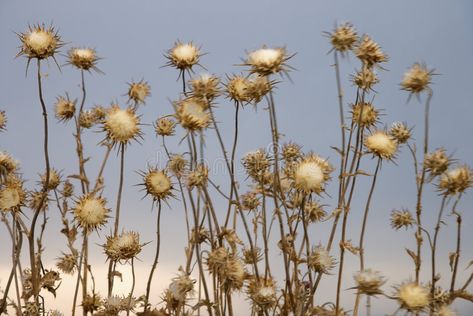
column 184, row 55
column 311, row 174
column 121, row 125
column 90, row 212
column 413, row 297
column 266, row 61
column 382, row 145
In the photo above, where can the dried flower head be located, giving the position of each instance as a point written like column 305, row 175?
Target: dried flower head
column 437, row 162
column 121, row 125
column 291, row 152
column 198, row 177
column 266, row 61
column 417, row 79
column 67, row 263
column 314, row 211
column 205, row 87
column 67, row 189
column 200, row 235
column 53, row 181
column 83, row 58
column 192, row 114
column 256, row 164
column 343, row 38
column 90, row 212
column 91, row 303
column 413, row 297
column 164, row 126
column 258, row 87
column 320, row 260
column 31, row 309
column 123, row 247
column 446, row 310
column 181, row 286
column 39, row 42
column 381, row 144
column 369, row 282
column 400, row 132
column 157, row 184
column 311, row 174
column 262, row 293
column 238, row 89
column 250, row 201
column 232, row 273
column 3, row 121
column 369, row 52
column 177, row 164
column 12, row 194
column 87, row 119
column 139, row 91
column 401, row 219
column 365, row 114
column 365, row 79
column 65, row 108
column 8, row 164
column 183, row 56
column 37, row 200
column 456, row 180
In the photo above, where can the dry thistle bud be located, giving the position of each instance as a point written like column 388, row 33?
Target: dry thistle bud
column 177, row 164
column 365, row 114
column 198, row 177
column 67, row 263
column 183, row 56
column 456, row 180
column 233, row 273
column 417, row 79
column 365, row 79
column 121, row 125
column 369, row 52
column 36, row 198
column 39, row 42
column 320, row 260
column 8, row 164
column 216, row 259
column 3, row 121
column 252, row 256
column 157, row 184
column 256, row 164
column 436, row 162
column 83, row 58
column 314, row 211
column 250, row 201
column 180, row 287
column 238, row 89
column 368, row 282
column 65, row 108
column 291, row 152
column 139, row 91
column 400, row 132
column 12, row 195
column 99, row 113
column 205, row 87
column 54, row 179
column 311, row 174
column 90, row 212
column 192, row 114
column 266, row 61
column 164, row 126
column 343, row 38
column 67, row 189
column 31, row 309
column 401, row 219
column 258, row 87
column 382, row 145
column 87, row 119
column 123, row 247
column 262, row 293
column 91, row 303
column 413, row 297
column 200, row 235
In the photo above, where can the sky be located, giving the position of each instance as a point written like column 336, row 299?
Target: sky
column 132, row 37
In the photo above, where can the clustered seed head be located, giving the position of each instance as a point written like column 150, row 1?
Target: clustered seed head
column 65, row 108
column 139, row 91
column 258, row 87
column 205, row 87
column 266, row 61
column 183, row 56
column 381, row 144
column 417, row 79
column 365, row 114
column 256, row 163
column 344, row 37
column 177, row 164
column 250, row 201
column 413, row 297
column 67, row 263
column 12, row 194
column 401, row 219
column 90, row 212
column 311, row 174
column 198, row 177
column 8, row 164
column 238, row 89
column 83, row 58
column 192, row 114
column 400, row 132
column 365, row 79
column 291, row 152
column 39, row 42
column 314, row 211
column 456, row 180
column 121, row 125
column 3, row 120
column 437, row 162
column 54, row 179
column 369, row 52
column 164, row 126
column 320, row 260
column 228, row 267
column 262, row 293
column 180, row 287
column 123, row 247
column 157, row 184
column 369, row 282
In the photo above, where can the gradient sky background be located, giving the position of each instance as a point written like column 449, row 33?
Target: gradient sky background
column 132, row 36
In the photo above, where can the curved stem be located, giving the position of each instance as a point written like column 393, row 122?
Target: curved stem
column 156, row 257
column 130, row 296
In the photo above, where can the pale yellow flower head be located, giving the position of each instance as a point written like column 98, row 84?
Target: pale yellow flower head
column 381, row 144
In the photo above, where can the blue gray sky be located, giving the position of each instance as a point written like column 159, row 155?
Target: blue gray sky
column 132, row 37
